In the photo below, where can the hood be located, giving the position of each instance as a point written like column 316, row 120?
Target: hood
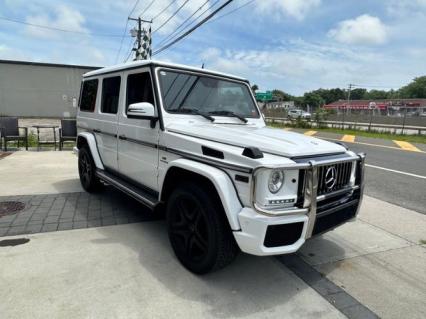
column 269, row 140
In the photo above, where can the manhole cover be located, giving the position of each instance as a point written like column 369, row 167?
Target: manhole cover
column 10, row 208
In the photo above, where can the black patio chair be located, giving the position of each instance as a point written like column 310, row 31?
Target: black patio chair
column 67, row 132
column 10, row 131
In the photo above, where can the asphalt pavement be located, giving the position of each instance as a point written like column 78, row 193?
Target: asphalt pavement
column 393, row 174
column 400, row 189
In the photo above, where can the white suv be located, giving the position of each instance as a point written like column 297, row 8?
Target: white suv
column 192, row 143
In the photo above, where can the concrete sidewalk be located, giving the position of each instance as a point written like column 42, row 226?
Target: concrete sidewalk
column 45, row 172
column 379, row 259
column 129, row 271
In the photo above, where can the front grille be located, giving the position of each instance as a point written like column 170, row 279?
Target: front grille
column 342, row 175
column 301, row 188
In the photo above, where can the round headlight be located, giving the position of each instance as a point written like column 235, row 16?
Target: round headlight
column 276, row 180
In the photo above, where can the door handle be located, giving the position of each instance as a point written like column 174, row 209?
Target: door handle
column 122, row 137
column 97, row 131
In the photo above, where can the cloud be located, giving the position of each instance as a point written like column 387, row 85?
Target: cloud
column 364, row 30
column 300, row 66
column 63, row 17
column 8, row 53
column 297, row 9
column 402, row 8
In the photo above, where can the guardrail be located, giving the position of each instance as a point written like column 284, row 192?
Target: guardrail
column 369, row 126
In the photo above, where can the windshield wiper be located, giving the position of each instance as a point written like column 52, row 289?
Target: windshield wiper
column 193, row 111
column 229, row 113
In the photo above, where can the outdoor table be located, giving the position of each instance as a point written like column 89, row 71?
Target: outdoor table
column 38, row 127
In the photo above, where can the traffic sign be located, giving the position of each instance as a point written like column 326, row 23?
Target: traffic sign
column 264, row 96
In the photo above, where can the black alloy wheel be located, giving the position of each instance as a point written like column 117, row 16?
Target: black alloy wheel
column 86, row 170
column 189, row 229
column 198, row 229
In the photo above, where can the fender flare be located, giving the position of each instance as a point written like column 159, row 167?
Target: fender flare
column 222, row 183
column 91, row 141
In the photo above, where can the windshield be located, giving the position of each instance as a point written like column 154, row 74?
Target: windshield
column 182, row 91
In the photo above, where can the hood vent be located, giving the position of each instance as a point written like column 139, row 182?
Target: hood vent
column 253, row 152
column 212, row 152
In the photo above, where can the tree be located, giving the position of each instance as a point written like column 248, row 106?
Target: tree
column 281, row 95
column 376, row 95
column 416, row 89
column 330, row 95
column 335, row 95
column 358, row 94
column 298, row 101
column 314, row 100
column 254, row 88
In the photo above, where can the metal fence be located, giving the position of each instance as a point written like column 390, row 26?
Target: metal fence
column 370, row 120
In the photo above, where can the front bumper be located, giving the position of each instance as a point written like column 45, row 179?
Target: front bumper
column 251, row 237
column 283, row 232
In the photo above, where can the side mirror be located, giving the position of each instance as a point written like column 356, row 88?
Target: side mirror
column 142, row 110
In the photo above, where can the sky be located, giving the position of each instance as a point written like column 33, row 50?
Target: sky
column 292, row 45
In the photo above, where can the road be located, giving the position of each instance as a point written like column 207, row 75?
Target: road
column 392, row 174
column 401, row 189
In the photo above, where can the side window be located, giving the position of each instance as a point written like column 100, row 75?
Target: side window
column 110, row 94
column 88, row 95
column 139, row 89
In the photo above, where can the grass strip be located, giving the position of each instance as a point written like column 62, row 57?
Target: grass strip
column 373, row 134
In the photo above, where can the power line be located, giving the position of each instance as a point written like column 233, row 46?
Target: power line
column 175, row 13
column 125, row 30
column 134, row 7
column 232, row 11
column 193, row 28
column 173, row 34
column 162, row 11
column 130, row 52
column 60, row 29
column 146, row 9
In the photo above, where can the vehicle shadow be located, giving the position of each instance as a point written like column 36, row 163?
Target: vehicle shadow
column 70, row 185
column 249, row 285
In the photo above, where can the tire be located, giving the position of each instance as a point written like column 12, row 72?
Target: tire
column 86, row 171
column 198, row 230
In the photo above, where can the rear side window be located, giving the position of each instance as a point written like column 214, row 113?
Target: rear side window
column 88, row 95
column 110, row 94
column 139, row 89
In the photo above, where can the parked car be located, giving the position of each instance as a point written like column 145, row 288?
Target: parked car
column 295, row 114
column 191, row 142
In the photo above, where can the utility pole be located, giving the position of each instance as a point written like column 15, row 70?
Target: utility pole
column 143, row 39
column 347, row 107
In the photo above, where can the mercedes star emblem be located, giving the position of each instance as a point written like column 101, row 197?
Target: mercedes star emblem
column 330, row 177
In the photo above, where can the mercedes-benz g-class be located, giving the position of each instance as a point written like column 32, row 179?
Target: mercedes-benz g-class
column 193, row 143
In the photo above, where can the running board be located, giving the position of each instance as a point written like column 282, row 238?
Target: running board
column 127, row 188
